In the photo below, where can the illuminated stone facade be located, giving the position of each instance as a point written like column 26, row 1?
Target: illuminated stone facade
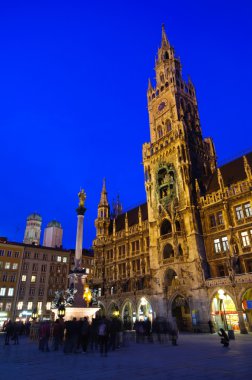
column 158, row 259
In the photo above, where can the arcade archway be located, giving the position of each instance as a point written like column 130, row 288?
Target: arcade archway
column 144, row 310
column 247, row 308
column 127, row 316
column 181, row 312
column 113, row 310
column 101, row 312
column 223, row 311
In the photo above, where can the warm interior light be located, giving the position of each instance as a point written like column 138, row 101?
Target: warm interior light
column 87, row 295
column 221, row 294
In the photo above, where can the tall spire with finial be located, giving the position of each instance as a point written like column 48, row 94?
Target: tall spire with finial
column 165, row 41
column 103, row 220
column 104, row 198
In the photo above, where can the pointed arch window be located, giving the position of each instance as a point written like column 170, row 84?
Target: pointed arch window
column 159, row 132
column 165, row 228
column 168, row 251
column 178, row 227
column 168, row 125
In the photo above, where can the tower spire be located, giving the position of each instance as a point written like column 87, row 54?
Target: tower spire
column 165, row 41
column 104, row 198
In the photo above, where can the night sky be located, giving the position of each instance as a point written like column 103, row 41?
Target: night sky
column 73, row 106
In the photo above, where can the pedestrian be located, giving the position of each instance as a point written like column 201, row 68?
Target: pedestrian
column 103, row 334
column 15, row 333
column 85, row 330
column 174, row 333
column 8, row 328
column 224, row 337
column 211, row 326
column 56, row 335
column 44, row 335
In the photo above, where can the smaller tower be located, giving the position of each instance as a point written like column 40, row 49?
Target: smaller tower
column 103, row 219
column 33, row 229
column 53, row 235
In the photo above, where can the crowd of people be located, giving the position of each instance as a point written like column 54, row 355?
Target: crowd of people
column 14, row 329
column 81, row 336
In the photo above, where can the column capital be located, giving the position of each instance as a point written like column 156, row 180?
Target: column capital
column 81, row 210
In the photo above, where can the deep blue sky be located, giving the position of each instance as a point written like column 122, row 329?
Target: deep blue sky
column 73, row 97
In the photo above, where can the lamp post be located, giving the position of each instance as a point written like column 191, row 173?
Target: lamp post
column 61, row 311
column 34, row 314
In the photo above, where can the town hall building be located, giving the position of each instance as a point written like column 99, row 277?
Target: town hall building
column 186, row 253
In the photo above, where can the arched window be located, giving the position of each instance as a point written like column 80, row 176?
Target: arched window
column 178, row 227
column 162, row 78
column 169, row 276
column 159, row 131
column 168, row 125
column 180, row 250
column 168, row 251
column 165, row 228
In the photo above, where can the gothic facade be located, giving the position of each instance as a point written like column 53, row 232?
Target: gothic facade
column 186, row 252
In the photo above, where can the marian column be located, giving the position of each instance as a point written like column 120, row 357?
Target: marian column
column 79, row 235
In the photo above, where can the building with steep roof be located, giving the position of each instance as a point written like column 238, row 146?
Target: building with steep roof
column 186, row 253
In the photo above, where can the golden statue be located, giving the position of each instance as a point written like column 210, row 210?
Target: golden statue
column 82, row 197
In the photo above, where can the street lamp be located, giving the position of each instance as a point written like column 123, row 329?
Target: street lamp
column 34, row 314
column 61, row 311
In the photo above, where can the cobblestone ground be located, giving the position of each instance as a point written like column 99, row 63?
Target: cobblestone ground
column 199, row 356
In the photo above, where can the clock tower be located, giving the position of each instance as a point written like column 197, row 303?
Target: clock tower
column 177, row 162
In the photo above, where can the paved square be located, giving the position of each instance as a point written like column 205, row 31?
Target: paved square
column 198, row 356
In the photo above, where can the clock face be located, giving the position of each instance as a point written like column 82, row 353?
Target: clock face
column 161, row 106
